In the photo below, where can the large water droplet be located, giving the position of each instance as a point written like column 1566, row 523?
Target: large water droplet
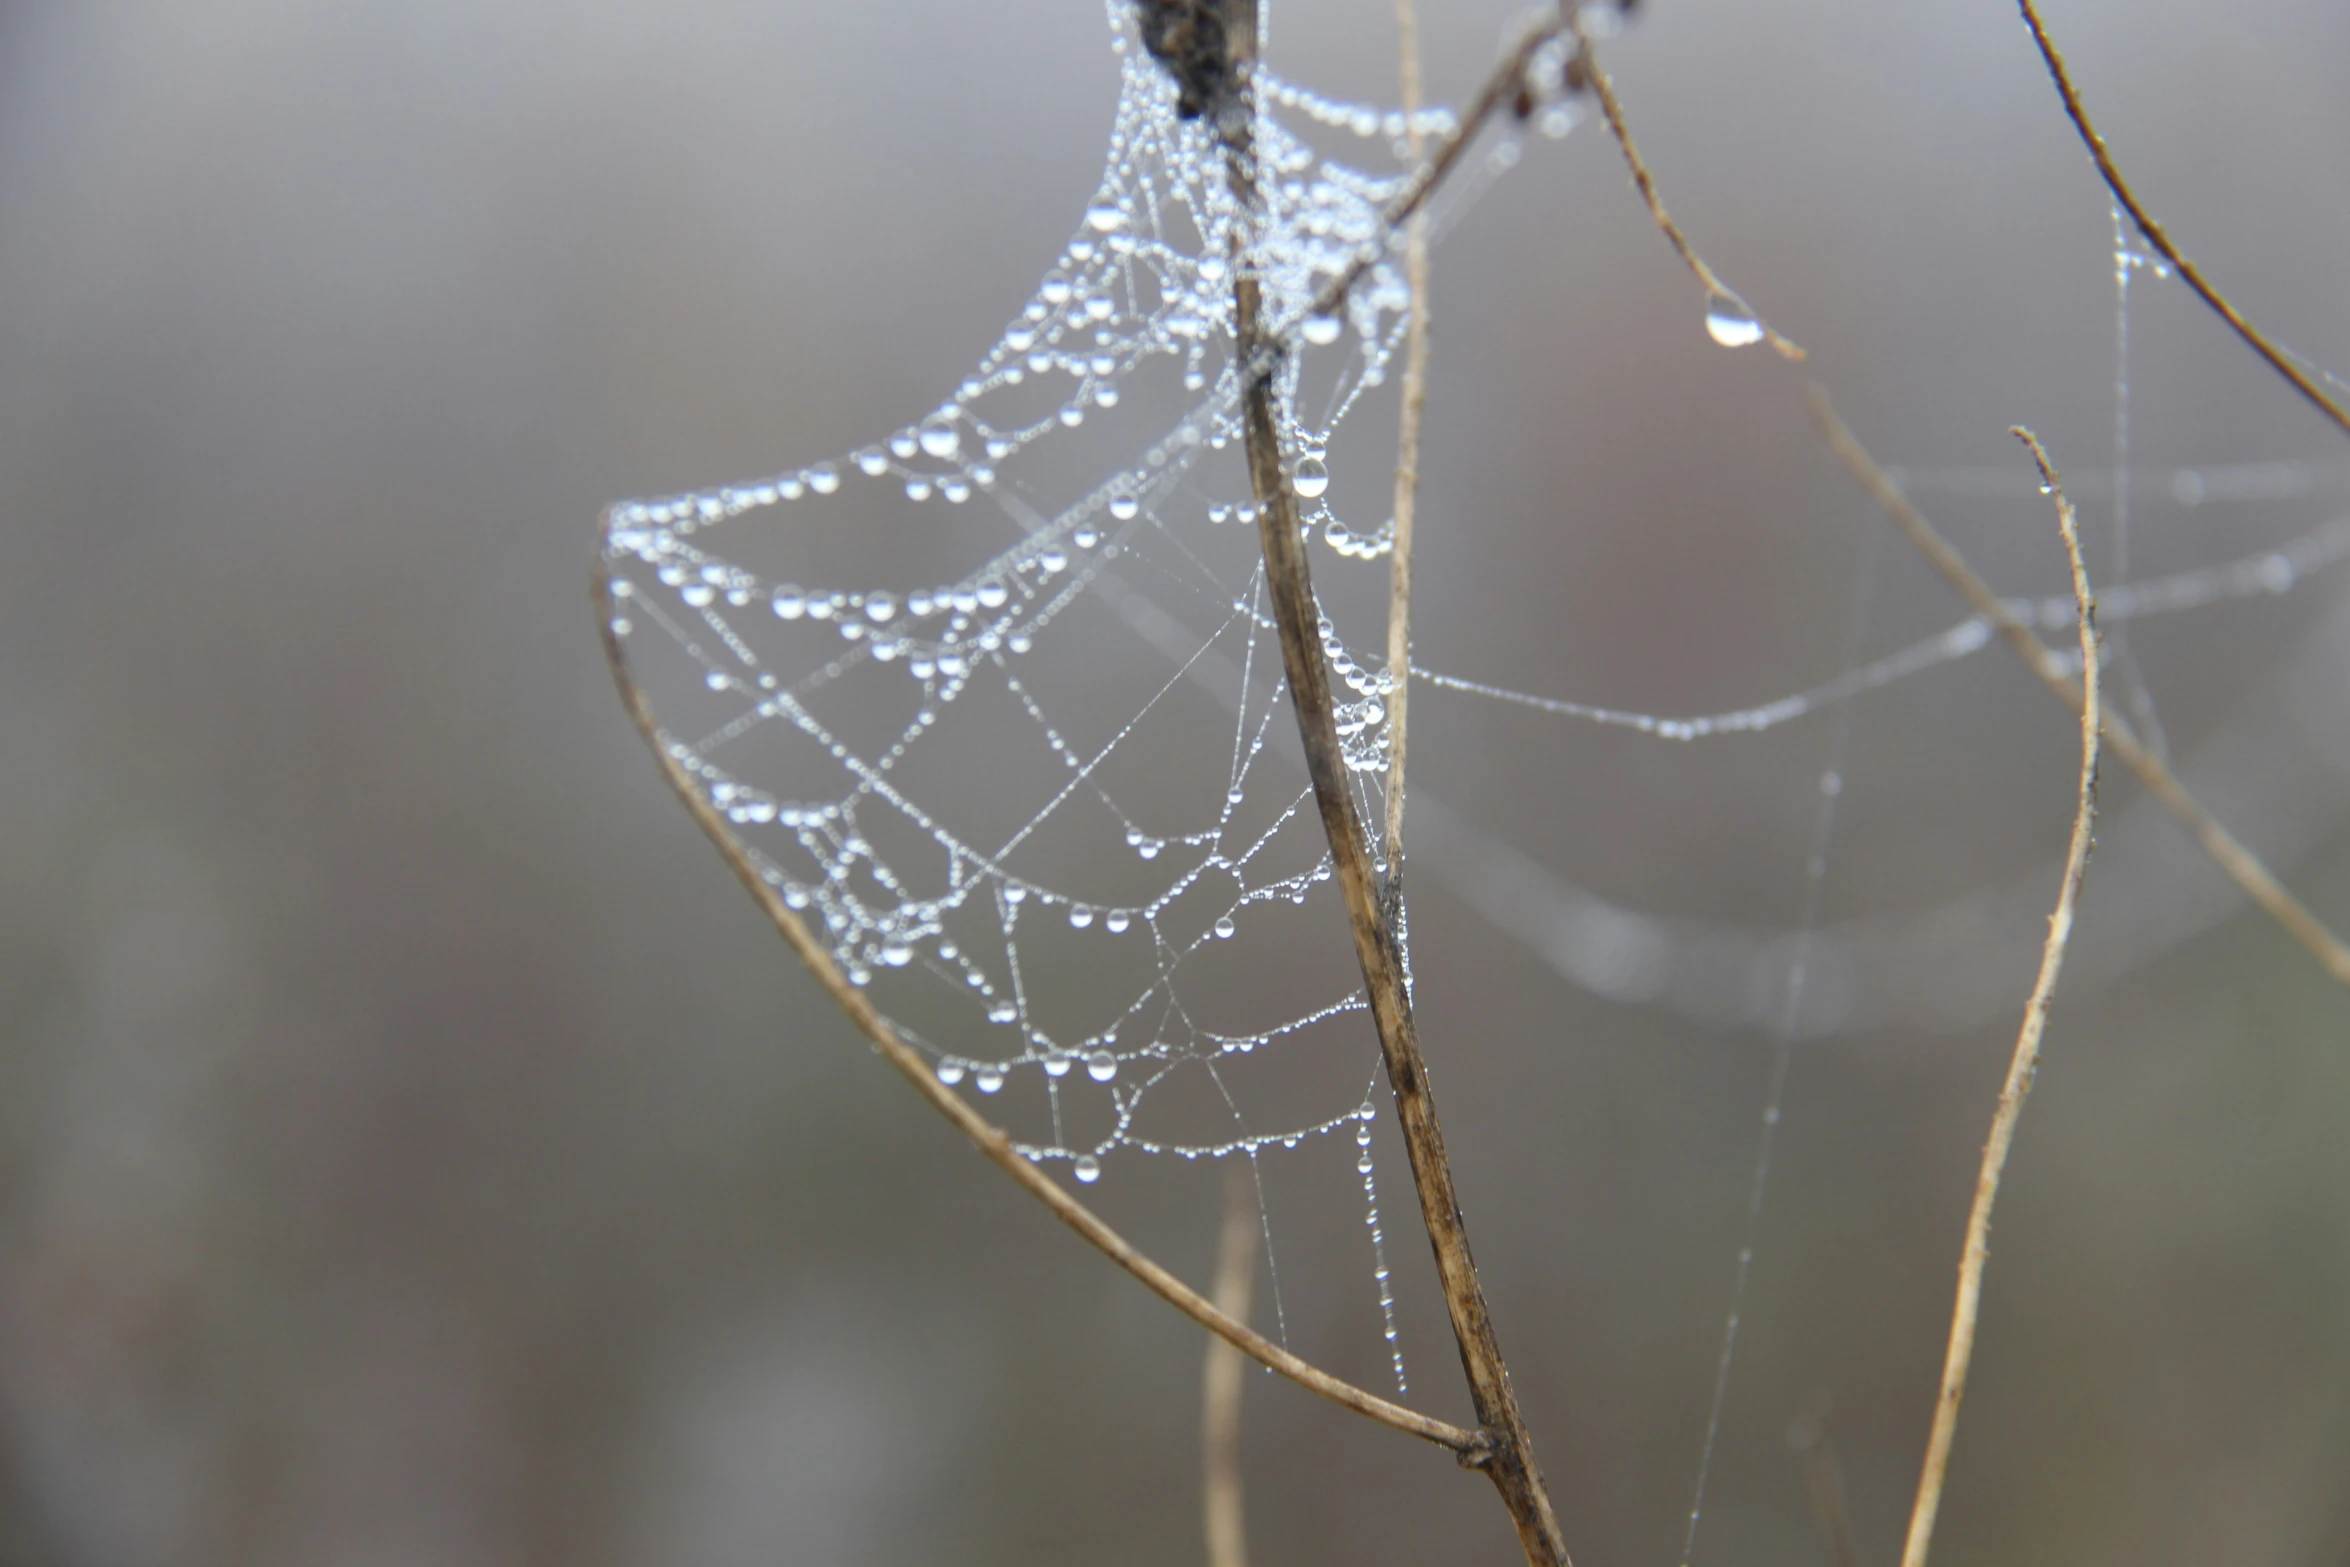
column 873, row 461
column 1311, row 477
column 1225, row 928
column 1101, row 1066
column 1731, row 321
column 939, row 436
column 880, row 606
column 990, row 1079
column 950, row 1072
column 1087, row 1169
column 1124, row 507
column 1321, row 331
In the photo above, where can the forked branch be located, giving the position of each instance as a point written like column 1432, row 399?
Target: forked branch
column 2026, row 1059
column 988, row 1138
column 2239, row 864
column 2278, row 360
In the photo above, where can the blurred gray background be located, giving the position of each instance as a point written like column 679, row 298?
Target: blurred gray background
column 413, row 1149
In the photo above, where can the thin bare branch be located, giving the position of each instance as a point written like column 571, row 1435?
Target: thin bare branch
column 1499, row 89
column 1508, row 1458
column 2026, row 1060
column 986, row 1137
column 2278, row 360
column 1407, row 474
column 2239, row 864
column 1222, row 1378
column 1612, row 106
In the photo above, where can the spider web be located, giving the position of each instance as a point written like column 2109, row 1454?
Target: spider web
column 998, row 703
column 1034, row 779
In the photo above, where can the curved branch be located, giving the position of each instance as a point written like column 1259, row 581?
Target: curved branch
column 989, row 1139
column 2026, row 1060
column 2278, row 360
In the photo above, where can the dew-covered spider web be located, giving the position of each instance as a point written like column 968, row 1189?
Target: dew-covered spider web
column 997, row 702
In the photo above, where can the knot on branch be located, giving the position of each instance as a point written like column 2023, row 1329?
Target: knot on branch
column 1190, row 40
column 1484, row 1447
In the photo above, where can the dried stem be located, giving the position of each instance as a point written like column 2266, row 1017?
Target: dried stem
column 1407, row 474
column 2236, row 862
column 988, row 1138
column 2278, row 360
column 1236, row 1266
column 1499, row 89
column 1612, row 107
column 1508, row 1456
column 2026, row 1060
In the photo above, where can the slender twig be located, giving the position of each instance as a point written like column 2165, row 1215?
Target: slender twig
column 1823, row 1481
column 1508, row 1458
column 2279, row 360
column 990, row 1140
column 1236, row 1265
column 1612, row 106
column 1499, row 89
column 1407, row 474
column 2239, row 864
column 2026, row 1060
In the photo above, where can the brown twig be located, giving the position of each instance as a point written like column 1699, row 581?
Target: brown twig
column 1612, row 107
column 2111, row 173
column 2026, row 1060
column 1508, row 1456
column 1499, row 89
column 988, row 1138
column 2239, row 864
column 1407, row 474
column 1236, row 1265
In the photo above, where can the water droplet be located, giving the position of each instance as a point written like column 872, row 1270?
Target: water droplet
column 1321, row 331
column 1087, row 1169
column 990, row 1079
column 1731, row 321
column 1105, row 219
column 1101, row 1066
column 950, row 1072
column 1080, row 916
column 1225, row 928
column 1117, row 920
column 824, row 479
column 874, row 461
column 1056, row 1063
column 1124, row 507
column 939, row 437
column 1311, row 477
column 992, row 594
column 1055, row 288
column 880, row 606
column 1219, row 514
